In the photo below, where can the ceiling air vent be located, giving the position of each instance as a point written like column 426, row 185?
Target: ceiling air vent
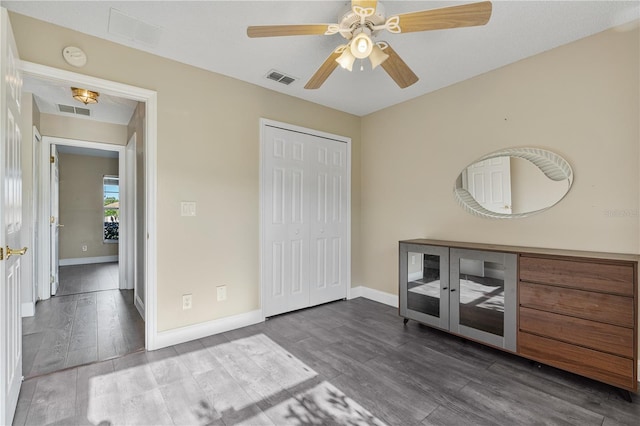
column 74, row 110
column 280, row 77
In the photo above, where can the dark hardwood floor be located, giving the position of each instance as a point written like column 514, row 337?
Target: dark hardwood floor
column 344, row 363
column 75, row 328
column 76, row 279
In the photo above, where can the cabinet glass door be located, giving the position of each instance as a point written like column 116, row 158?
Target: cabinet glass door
column 483, row 301
column 424, row 284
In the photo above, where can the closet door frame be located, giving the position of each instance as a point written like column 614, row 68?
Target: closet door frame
column 264, row 124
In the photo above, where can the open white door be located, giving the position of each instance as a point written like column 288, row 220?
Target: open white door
column 10, row 223
column 54, row 220
column 489, row 182
column 130, row 215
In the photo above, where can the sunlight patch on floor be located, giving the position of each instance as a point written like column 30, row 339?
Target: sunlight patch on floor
column 252, row 381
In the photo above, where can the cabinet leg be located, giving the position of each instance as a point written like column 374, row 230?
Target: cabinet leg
column 405, row 321
column 625, row 394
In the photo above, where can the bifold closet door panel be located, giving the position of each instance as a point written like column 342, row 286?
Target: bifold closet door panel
column 304, row 247
column 328, row 220
column 287, row 233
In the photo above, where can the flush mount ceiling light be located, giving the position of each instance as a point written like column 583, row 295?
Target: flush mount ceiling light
column 364, row 20
column 85, row 96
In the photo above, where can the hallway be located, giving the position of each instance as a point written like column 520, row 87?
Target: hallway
column 89, row 320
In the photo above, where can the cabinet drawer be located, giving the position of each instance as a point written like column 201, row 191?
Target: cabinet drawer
column 604, row 277
column 607, row 308
column 595, row 335
column 612, row 369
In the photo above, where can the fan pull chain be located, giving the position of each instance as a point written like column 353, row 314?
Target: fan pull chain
column 361, row 65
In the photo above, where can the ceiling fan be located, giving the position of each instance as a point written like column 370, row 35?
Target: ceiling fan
column 364, row 21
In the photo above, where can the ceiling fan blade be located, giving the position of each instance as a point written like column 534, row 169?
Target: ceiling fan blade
column 286, row 30
column 365, row 4
column 324, row 71
column 466, row 15
column 397, row 69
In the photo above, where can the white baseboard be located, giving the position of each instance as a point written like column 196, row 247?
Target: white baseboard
column 375, row 295
column 355, row 292
column 139, row 304
column 415, row 276
column 198, row 331
column 28, row 309
column 88, row 260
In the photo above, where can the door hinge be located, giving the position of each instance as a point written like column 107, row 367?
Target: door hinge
column 1, row 253
column 52, row 159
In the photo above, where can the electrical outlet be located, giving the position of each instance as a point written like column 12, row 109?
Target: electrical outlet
column 221, row 293
column 84, row 247
column 187, row 300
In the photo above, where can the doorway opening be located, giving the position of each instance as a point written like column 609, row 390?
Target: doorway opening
column 116, row 279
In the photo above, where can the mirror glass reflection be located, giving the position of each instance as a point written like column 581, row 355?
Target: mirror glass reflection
column 482, row 295
column 514, row 182
column 423, row 286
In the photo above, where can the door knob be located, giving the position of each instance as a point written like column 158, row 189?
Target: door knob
column 11, row 251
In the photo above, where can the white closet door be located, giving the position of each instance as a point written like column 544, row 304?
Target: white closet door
column 286, row 227
column 305, row 220
column 329, row 212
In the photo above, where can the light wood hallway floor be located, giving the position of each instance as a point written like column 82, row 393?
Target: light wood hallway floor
column 88, row 320
column 345, row 363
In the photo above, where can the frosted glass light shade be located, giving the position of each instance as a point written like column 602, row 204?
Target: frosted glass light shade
column 346, row 60
column 377, row 56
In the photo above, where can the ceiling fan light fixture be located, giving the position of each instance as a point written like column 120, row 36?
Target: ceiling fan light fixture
column 85, row 96
column 377, row 56
column 361, row 46
column 346, row 60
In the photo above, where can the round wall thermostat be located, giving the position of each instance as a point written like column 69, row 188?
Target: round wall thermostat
column 74, row 56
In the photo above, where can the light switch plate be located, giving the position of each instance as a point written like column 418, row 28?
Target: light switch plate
column 221, row 293
column 188, row 208
column 187, row 301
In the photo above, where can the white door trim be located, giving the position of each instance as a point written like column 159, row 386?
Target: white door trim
column 150, row 98
column 47, row 141
column 263, row 124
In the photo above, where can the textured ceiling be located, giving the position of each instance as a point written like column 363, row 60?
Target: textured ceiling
column 212, row 35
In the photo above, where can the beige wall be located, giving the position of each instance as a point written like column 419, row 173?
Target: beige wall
column 580, row 100
column 81, row 129
column 208, row 149
column 81, row 203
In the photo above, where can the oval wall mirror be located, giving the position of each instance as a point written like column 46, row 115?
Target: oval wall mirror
column 513, row 182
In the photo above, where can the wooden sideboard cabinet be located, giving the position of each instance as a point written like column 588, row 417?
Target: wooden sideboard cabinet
column 579, row 314
column 574, row 310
